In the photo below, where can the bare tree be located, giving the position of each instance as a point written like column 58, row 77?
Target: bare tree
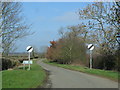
column 101, row 26
column 13, row 25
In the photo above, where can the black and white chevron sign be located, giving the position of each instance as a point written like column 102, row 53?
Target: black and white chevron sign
column 29, row 48
column 90, row 46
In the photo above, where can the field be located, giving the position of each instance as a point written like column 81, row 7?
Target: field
column 19, row 78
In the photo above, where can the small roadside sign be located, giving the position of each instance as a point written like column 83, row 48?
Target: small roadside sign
column 90, row 46
column 28, row 62
column 29, row 48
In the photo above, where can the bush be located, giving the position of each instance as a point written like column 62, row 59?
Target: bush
column 67, row 51
column 21, row 59
column 106, row 62
column 6, row 63
column 9, row 63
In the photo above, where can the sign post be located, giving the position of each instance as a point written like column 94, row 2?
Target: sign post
column 90, row 59
column 29, row 49
column 118, row 38
column 90, row 47
column 29, row 60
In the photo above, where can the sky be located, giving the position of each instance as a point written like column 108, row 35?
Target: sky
column 46, row 18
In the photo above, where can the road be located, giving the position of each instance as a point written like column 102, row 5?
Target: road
column 63, row 78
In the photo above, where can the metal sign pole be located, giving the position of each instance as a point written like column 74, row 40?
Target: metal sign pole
column 90, row 47
column 29, row 49
column 90, row 59
column 29, row 61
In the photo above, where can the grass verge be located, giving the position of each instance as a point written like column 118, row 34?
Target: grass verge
column 19, row 78
column 103, row 73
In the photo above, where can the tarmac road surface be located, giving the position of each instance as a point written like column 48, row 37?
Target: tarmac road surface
column 64, row 78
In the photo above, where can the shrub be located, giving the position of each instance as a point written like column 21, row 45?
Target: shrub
column 67, row 51
column 9, row 63
column 106, row 62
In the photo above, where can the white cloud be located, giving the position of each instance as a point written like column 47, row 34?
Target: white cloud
column 67, row 17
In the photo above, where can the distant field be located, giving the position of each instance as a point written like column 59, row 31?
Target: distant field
column 20, row 78
column 103, row 73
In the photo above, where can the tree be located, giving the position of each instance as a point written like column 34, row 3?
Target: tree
column 51, row 51
column 70, row 48
column 13, row 25
column 117, row 20
column 102, row 27
column 99, row 15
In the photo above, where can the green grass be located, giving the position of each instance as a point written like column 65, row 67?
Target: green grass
column 0, row 80
column 103, row 73
column 20, row 78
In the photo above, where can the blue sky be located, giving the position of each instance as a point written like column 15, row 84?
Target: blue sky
column 46, row 19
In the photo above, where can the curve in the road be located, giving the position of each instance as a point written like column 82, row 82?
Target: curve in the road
column 64, row 78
